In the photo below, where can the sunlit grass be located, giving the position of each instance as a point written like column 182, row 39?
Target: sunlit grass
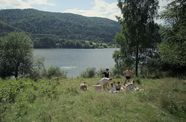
column 60, row 100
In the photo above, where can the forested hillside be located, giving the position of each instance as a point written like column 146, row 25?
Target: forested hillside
column 56, row 29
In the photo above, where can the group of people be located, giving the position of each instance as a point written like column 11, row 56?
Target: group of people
column 106, row 83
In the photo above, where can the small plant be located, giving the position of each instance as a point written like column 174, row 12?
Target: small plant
column 99, row 73
column 137, row 80
column 89, row 73
column 38, row 69
column 55, row 72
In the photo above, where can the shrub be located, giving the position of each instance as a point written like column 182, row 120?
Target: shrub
column 15, row 55
column 38, row 69
column 89, row 73
column 116, row 72
column 99, row 73
column 137, row 80
column 55, row 72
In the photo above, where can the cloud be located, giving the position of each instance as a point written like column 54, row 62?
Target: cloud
column 6, row 4
column 100, row 9
column 104, row 9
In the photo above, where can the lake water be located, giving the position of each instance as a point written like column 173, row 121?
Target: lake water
column 74, row 61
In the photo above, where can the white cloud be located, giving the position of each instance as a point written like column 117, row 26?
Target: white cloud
column 100, row 9
column 104, row 9
column 5, row 4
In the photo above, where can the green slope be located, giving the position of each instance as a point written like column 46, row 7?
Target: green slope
column 60, row 25
column 6, row 28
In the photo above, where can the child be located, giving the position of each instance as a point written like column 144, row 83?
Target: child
column 83, row 86
column 113, row 88
column 118, row 86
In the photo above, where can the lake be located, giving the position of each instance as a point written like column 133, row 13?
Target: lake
column 75, row 61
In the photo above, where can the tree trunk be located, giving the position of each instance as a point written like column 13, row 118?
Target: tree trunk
column 137, row 56
column 16, row 70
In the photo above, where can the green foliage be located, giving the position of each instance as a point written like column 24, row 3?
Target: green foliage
column 55, row 72
column 174, row 53
column 17, row 95
column 139, row 35
column 99, row 73
column 173, row 49
column 15, row 55
column 5, row 28
column 170, row 96
column 89, row 73
column 46, row 27
column 38, row 69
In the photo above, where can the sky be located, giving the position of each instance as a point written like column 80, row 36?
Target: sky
column 93, row 8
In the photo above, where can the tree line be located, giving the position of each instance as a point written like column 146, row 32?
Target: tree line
column 48, row 42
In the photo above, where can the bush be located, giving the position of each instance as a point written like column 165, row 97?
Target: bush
column 15, row 55
column 89, row 73
column 117, row 73
column 99, row 73
column 55, row 72
column 38, row 69
column 137, row 80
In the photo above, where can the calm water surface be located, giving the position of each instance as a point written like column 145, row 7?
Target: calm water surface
column 74, row 61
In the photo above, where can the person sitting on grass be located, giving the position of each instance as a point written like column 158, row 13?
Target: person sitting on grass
column 118, row 86
column 113, row 88
column 83, row 86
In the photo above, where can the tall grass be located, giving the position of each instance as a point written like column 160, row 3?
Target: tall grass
column 61, row 100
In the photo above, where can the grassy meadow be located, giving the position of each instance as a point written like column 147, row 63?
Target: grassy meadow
column 60, row 100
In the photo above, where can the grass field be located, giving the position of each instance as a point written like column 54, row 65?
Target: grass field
column 60, row 100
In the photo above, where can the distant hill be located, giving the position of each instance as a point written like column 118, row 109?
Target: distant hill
column 50, row 29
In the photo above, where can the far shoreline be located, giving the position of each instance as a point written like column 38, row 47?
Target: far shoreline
column 76, row 48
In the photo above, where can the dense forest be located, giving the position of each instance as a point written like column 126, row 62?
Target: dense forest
column 59, row 30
